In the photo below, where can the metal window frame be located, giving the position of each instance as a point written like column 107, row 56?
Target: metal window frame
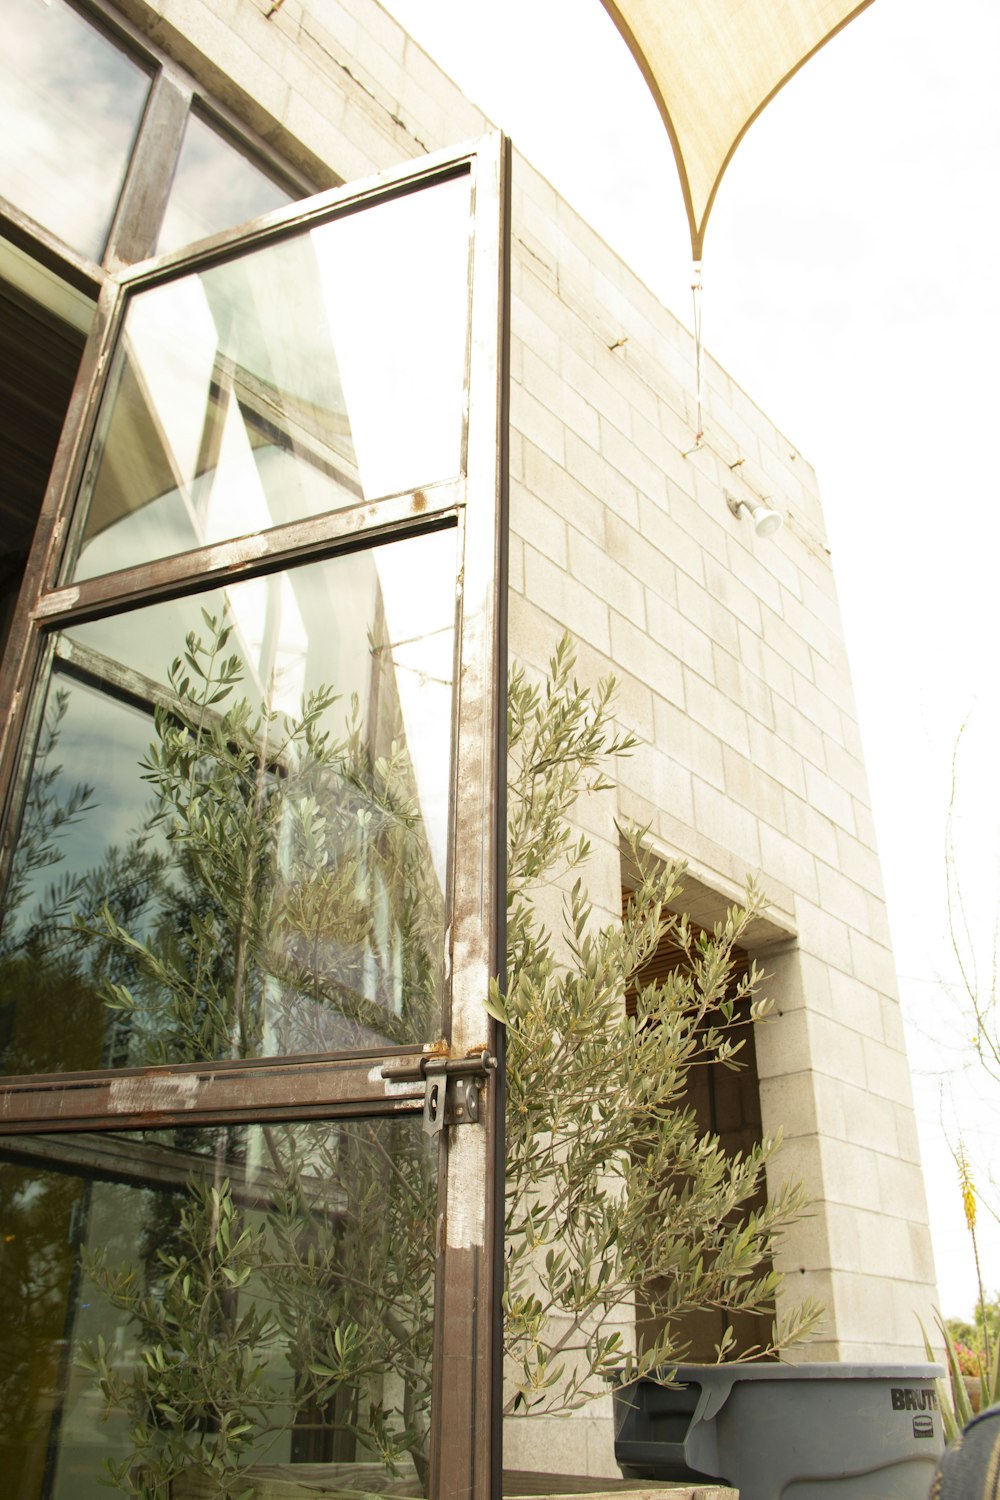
column 465, row 1460
column 174, row 93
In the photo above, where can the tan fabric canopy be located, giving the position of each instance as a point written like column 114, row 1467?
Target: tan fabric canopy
column 713, row 65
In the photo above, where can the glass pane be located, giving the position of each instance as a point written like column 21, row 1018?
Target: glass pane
column 216, row 1310
column 215, row 186
column 70, row 105
column 234, row 840
column 298, row 379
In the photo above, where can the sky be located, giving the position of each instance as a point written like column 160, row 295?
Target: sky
column 851, row 289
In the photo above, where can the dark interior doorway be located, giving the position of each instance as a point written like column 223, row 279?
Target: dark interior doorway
column 43, row 324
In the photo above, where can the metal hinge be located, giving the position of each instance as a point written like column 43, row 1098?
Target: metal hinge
column 452, row 1085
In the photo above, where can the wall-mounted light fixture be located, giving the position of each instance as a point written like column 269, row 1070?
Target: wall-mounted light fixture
column 765, row 520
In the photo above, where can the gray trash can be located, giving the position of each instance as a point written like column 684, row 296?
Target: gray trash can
column 787, row 1432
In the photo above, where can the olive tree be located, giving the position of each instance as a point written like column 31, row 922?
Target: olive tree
column 262, row 839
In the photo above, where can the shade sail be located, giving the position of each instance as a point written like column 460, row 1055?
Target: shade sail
column 712, row 65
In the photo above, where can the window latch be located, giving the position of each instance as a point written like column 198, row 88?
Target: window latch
column 452, row 1085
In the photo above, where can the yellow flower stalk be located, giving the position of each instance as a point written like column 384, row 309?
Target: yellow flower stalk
column 969, row 1204
column 968, row 1190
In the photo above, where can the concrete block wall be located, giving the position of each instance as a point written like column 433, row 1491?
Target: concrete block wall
column 730, row 654
column 728, row 649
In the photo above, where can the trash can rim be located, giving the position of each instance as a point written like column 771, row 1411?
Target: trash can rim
column 689, row 1374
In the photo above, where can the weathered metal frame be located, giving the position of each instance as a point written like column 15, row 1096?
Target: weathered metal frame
column 464, row 1453
column 135, row 224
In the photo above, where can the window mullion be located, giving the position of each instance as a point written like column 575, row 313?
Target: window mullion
column 223, row 563
column 143, row 201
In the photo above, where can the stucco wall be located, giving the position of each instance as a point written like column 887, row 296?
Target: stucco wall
column 728, row 649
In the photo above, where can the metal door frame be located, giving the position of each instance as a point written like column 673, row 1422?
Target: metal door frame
column 465, row 1430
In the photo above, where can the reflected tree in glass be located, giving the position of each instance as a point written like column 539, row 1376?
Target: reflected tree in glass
column 279, row 1318
column 298, row 864
column 277, row 895
column 222, row 857
column 243, row 1304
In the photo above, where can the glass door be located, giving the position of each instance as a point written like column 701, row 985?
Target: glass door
column 249, row 1112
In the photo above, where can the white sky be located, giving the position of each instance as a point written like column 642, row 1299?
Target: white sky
column 851, row 289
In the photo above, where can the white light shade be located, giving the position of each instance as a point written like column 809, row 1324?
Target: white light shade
column 766, row 521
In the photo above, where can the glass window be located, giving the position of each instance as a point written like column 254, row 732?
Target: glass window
column 215, row 187
column 70, row 106
column 251, row 871
column 322, row 369
column 203, row 1308
column 235, row 830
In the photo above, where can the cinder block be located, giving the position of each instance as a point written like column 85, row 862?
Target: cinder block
column 789, row 646
column 730, row 654
column 553, row 485
column 743, row 687
column 726, row 823
column 383, row 29
column 816, row 706
column 838, row 1051
column 864, row 824
column 533, row 521
column 575, row 608
column 592, row 566
column 769, row 751
column 788, row 1101
column 873, row 963
column 535, row 331
column 814, row 830
column 740, row 601
column 643, row 560
column 742, row 553
column 902, row 1187
column 648, row 475
column 859, row 863
column 601, row 478
column 598, row 392
column 786, row 860
column 826, row 796
column 515, row 565
column 888, row 1072
column 747, row 784
column 784, row 1048
column 851, row 1177
column 842, row 897
column 856, row 1003
column 922, row 1257
column 549, row 387
column 799, row 730
column 654, row 663
column 663, row 781
column 687, row 742
column 535, row 422
column 716, row 712
column 870, row 1120
column 667, row 625
column 822, row 935
column 660, row 522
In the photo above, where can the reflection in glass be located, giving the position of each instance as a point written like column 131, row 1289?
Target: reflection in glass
column 70, row 105
column 234, row 837
column 215, row 186
column 213, row 1310
column 293, row 381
